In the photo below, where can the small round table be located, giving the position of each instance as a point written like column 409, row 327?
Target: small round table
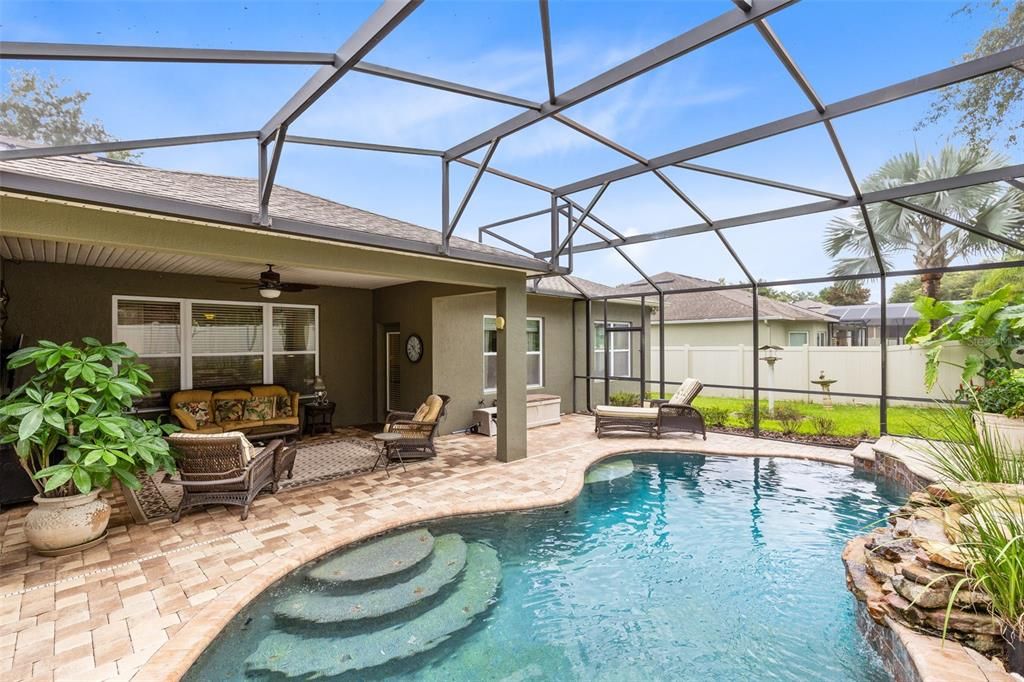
column 387, row 443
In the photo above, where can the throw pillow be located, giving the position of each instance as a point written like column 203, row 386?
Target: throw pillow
column 284, row 406
column 259, row 408
column 198, row 410
column 229, row 410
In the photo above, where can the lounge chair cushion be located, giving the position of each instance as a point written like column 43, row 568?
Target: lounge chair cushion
column 433, row 405
column 248, row 449
column 627, row 412
column 686, row 392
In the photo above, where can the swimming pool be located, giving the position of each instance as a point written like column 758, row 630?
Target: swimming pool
column 667, row 566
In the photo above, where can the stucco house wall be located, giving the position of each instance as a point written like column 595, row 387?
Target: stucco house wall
column 732, row 333
column 66, row 302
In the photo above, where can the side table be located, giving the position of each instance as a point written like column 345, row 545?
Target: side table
column 318, row 418
column 387, row 443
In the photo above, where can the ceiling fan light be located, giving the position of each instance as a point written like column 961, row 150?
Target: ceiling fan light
column 269, row 292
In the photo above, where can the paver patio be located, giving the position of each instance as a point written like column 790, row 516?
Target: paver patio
column 145, row 603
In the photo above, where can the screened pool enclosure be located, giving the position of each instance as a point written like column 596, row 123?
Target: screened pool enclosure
column 570, row 213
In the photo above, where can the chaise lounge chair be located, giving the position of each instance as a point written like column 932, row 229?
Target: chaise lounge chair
column 225, row 468
column 419, row 428
column 675, row 415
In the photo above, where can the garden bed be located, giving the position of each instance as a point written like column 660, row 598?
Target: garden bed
column 849, row 442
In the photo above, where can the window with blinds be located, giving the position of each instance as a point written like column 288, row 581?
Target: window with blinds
column 534, row 353
column 621, row 350
column 223, row 344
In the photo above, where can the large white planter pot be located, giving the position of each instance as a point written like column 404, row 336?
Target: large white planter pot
column 1006, row 430
column 61, row 525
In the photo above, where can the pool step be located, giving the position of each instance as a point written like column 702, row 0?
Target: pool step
column 296, row 656
column 610, row 471
column 377, row 559
column 444, row 565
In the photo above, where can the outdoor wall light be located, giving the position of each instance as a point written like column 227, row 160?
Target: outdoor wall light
column 499, row 323
column 270, row 292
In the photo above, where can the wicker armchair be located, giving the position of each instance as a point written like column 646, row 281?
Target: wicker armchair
column 225, row 468
column 418, row 429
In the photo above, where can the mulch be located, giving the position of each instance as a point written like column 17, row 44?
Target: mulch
column 846, row 442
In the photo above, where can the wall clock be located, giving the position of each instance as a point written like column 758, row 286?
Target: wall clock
column 414, row 348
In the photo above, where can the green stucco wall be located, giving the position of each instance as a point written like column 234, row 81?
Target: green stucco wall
column 775, row 332
column 67, row 302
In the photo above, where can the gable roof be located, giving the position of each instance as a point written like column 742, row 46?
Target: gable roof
column 724, row 304
column 236, row 194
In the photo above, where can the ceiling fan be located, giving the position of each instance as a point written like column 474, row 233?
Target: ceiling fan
column 271, row 286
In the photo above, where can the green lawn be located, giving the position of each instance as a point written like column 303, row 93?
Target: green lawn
column 850, row 420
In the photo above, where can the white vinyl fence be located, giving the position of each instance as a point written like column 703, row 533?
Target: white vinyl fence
column 855, row 369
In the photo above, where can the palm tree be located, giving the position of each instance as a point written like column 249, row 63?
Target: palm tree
column 934, row 244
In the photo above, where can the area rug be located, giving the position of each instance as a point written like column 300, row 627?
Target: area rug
column 315, row 462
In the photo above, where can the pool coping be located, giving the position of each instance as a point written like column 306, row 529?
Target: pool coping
column 174, row 658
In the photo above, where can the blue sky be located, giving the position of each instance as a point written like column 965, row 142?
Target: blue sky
column 844, row 48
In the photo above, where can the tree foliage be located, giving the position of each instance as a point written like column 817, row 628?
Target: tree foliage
column 931, row 242
column 991, row 106
column 854, row 293
column 37, row 109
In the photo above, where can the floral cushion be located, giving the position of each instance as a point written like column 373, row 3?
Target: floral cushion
column 284, row 406
column 259, row 408
column 198, row 410
column 229, row 410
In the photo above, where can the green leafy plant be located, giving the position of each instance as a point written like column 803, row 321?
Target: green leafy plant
column 624, row 399
column 966, row 453
column 992, row 544
column 789, row 419
column 823, row 425
column 746, row 416
column 715, row 416
column 69, row 422
column 992, row 326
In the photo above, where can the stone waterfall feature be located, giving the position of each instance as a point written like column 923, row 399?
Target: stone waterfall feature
column 909, row 569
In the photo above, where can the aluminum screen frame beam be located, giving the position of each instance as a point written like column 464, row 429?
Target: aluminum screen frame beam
column 689, row 41
column 123, row 145
column 885, row 95
column 549, row 61
column 440, row 84
column 365, row 146
column 385, row 19
column 900, row 192
column 131, row 53
column 753, row 179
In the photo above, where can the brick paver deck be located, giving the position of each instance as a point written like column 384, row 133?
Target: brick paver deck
column 145, row 603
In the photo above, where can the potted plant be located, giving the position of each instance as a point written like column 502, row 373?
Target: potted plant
column 72, row 432
column 992, row 328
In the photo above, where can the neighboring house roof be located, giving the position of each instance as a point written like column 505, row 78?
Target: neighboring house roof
column 231, row 193
column 727, row 304
column 558, row 286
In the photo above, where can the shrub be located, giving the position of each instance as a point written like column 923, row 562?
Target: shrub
column 789, row 419
column 715, row 416
column 823, row 425
column 967, row 453
column 746, row 416
column 624, row 399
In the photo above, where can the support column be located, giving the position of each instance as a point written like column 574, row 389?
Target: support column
column 511, row 305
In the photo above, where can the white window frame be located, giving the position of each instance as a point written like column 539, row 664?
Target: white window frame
column 185, row 341
column 540, row 353
column 628, row 350
column 807, row 338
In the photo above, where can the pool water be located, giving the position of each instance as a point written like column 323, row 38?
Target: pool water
column 681, row 567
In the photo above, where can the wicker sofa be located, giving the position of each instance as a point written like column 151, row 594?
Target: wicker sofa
column 257, row 411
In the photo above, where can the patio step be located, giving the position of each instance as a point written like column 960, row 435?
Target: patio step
column 445, row 563
column 609, row 471
column 377, row 559
column 293, row 655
